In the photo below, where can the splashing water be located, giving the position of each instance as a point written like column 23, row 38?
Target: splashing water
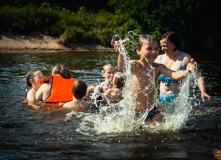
column 119, row 117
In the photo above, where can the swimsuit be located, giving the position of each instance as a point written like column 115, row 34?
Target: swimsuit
column 150, row 115
column 167, row 80
column 169, row 96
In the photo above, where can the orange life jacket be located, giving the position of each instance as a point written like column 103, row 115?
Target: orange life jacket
column 60, row 89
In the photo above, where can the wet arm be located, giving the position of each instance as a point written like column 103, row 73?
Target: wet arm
column 201, row 85
column 177, row 75
column 121, row 63
column 120, row 60
column 39, row 94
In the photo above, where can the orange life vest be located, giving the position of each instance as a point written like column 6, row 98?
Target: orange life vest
column 60, row 89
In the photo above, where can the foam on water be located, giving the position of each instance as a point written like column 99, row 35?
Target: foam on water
column 119, row 117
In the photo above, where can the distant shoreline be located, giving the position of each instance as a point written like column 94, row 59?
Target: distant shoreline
column 38, row 43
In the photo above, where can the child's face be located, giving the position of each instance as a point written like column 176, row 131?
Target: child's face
column 149, row 51
column 38, row 79
column 109, row 73
column 167, row 46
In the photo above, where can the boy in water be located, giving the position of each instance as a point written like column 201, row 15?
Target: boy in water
column 145, row 73
column 108, row 73
column 79, row 90
column 118, row 81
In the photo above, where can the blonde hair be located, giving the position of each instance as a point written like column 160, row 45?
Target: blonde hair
column 119, row 80
column 107, row 65
column 62, row 70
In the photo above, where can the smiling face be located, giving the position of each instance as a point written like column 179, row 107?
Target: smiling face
column 108, row 72
column 149, row 51
column 167, row 46
column 38, row 79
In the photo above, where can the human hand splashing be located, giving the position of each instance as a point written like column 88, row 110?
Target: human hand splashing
column 115, row 44
column 191, row 65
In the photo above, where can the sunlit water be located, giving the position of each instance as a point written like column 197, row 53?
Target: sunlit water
column 53, row 133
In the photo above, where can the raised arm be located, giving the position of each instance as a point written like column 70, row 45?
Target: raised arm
column 120, row 61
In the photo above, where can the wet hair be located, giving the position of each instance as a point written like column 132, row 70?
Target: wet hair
column 30, row 75
column 107, row 65
column 62, row 70
column 79, row 89
column 143, row 38
column 173, row 38
column 119, row 80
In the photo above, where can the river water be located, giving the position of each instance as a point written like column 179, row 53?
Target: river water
column 52, row 133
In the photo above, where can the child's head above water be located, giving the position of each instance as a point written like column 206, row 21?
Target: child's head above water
column 108, row 71
column 143, row 38
column 34, row 77
column 62, row 70
column 119, row 80
column 147, row 48
column 79, row 89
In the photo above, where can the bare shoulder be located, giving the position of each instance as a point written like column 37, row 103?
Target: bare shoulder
column 187, row 57
column 185, row 60
column 44, row 86
column 133, row 62
column 68, row 105
column 157, row 60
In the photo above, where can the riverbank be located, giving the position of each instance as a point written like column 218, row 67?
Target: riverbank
column 37, row 42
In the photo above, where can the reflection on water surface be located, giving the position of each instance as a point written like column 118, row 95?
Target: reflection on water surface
column 29, row 134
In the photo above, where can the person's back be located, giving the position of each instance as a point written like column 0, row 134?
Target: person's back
column 62, row 77
column 118, row 81
column 77, row 104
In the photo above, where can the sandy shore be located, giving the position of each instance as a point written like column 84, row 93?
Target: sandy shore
column 36, row 42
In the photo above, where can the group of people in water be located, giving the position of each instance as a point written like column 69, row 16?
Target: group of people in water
column 168, row 68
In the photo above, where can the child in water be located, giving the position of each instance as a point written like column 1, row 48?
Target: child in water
column 108, row 73
column 118, row 81
column 62, row 81
column 144, row 76
column 34, row 79
column 79, row 90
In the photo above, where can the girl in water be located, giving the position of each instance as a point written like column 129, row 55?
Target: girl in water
column 34, row 80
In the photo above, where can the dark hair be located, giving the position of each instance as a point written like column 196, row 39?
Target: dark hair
column 143, row 38
column 62, row 70
column 30, row 75
column 173, row 38
column 79, row 89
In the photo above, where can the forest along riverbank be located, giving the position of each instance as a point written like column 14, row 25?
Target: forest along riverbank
column 37, row 42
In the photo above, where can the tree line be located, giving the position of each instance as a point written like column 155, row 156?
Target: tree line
column 94, row 21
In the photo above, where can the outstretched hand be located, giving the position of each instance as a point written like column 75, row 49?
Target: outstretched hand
column 190, row 65
column 205, row 95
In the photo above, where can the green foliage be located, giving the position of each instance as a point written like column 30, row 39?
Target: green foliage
column 93, row 21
